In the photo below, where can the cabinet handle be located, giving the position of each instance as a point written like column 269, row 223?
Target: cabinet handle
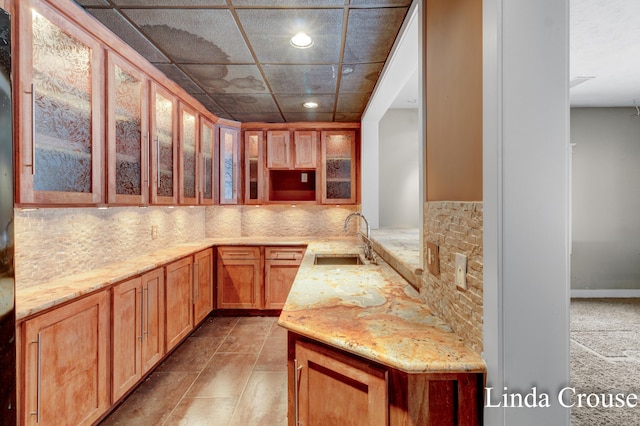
column 33, row 129
column 158, row 161
column 147, row 140
column 198, row 275
column 39, row 381
column 146, row 312
column 296, row 392
column 141, row 336
column 204, row 175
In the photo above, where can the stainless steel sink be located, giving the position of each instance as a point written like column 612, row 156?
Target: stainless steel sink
column 338, row 259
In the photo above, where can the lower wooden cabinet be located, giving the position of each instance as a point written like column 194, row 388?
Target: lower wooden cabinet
column 65, row 363
column 178, row 297
column 203, row 285
column 137, row 329
column 252, row 277
column 328, row 386
column 239, row 277
column 334, row 389
column 280, row 268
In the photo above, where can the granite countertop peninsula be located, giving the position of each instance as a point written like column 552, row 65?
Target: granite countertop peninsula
column 371, row 311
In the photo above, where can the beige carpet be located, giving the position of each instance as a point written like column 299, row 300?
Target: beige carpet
column 605, row 357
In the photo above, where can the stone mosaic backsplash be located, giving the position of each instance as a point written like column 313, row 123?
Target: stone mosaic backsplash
column 457, row 228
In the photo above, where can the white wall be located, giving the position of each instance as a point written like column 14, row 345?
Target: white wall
column 526, row 204
column 606, row 198
column 399, row 173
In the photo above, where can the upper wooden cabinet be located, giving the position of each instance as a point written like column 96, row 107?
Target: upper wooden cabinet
column 60, row 114
column 339, row 167
column 253, row 167
column 229, row 165
column 208, row 167
column 282, row 154
column 164, row 146
column 127, row 133
column 188, row 155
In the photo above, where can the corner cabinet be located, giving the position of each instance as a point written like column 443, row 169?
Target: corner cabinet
column 229, row 143
column 164, row 146
column 127, row 133
column 60, row 114
column 339, row 167
column 188, row 155
column 254, row 167
column 66, row 363
column 208, row 190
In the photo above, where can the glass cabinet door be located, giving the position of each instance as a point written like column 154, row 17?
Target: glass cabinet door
column 253, row 151
column 207, row 149
column 61, row 133
column 163, row 146
column 188, row 155
column 229, row 155
column 339, row 164
column 127, row 134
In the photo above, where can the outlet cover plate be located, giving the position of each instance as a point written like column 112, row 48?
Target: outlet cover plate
column 461, row 271
column 433, row 258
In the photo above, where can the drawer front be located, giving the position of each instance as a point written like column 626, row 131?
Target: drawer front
column 238, row 252
column 284, row 253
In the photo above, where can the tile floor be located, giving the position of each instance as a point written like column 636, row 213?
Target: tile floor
column 230, row 371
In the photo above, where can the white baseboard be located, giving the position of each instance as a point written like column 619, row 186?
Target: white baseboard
column 604, row 293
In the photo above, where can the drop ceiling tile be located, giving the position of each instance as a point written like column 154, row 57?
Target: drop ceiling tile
column 371, row 33
column 352, row 102
column 193, row 35
column 258, row 117
column 128, row 33
column 228, row 78
column 301, row 78
column 309, row 116
column 162, row 3
column 292, row 3
column 359, row 78
column 269, row 31
column 293, row 103
column 209, row 103
column 351, row 117
column 377, row 3
column 176, row 74
column 244, row 103
column 92, row 2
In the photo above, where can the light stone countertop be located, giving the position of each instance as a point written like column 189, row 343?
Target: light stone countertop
column 371, row 311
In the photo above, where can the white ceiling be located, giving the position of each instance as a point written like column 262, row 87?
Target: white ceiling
column 604, row 44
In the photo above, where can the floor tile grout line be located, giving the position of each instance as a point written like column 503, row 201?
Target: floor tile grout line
column 198, row 375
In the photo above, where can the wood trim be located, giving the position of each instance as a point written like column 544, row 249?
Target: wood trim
column 318, row 125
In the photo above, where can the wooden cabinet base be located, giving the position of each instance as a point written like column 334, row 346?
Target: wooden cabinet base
column 329, row 386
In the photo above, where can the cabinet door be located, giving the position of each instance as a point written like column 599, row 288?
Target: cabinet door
column 336, row 389
column 339, row 167
column 229, row 160
column 61, row 117
column 188, row 154
column 127, row 133
column 178, row 302
column 203, row 298
column 67, row 363
column 239, row 278
column 254, row 167
column 279, row 149
column 127, row 335
column 153, row 318
column 280, row 268
column 305, row 148
column 164, row 147
column 208, row 191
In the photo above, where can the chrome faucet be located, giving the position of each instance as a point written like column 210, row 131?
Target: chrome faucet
column 368, row 251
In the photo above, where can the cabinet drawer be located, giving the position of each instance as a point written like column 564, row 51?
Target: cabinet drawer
column 238, row 252
column 284, row 253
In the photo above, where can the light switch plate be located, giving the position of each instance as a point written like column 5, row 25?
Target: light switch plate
column 433, row 258
column 461, row 271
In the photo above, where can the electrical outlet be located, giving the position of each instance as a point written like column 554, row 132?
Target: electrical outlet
column 304, row 177
column 154, row 232
column 461, row 271
column 433, row 258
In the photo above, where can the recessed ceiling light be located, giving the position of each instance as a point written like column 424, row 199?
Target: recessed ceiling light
column 310, row 105
column 301, row 41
